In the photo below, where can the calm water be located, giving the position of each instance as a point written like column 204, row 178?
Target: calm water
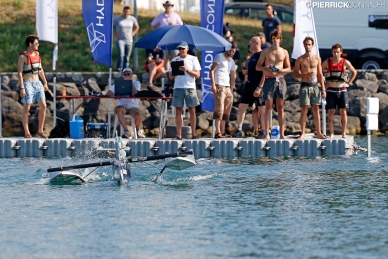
column 333, row 207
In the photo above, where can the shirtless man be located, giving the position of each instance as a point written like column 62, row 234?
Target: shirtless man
column 276, row 62
column 31, row 89
column 308, row 68
column 336, row 87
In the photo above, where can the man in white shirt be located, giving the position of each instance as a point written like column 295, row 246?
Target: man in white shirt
column 223, row 78
column 185, row 88
column 129, row 106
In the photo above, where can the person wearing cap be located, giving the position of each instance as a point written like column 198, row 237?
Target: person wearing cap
column 168, row 17
column 129, row 106
column 185, row 88
column 126, row 28
column 264, row 42
column 154, row 64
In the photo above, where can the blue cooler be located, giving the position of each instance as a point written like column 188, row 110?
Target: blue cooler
column 96, row 129
column 77, row 127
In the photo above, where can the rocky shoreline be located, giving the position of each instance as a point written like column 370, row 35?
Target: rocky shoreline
column 368, row 84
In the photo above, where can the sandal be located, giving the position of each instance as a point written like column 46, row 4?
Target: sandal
column 219, row 135
column 42, row 135
column 27, row 136
column 194, row 137
column 177, row 138
column 226, row 135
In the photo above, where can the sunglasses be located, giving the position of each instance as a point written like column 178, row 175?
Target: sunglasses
column 276, row 37
column 126, row 74
column 181, row 48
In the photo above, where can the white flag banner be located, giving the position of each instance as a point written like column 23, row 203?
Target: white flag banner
column 47, row 20
column 304, row 27
column 47, row 24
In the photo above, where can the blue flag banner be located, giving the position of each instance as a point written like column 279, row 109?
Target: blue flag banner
column 212, row 18
column 98, row 17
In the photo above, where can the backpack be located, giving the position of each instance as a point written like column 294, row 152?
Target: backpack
column 62, row 130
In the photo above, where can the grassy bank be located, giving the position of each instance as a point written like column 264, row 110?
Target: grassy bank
column 17, row 20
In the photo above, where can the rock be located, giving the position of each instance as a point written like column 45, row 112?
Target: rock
column 293, row 92
column 369, row 85
column 203, row 120
column 383, row 86
column 292, row 107
column 354, row 125
column 5, row 80
column 12, row 94
column 357, row 108
column 90, row 86
column 383, row 119
column 358, row 93
column 291, row 117
column 385, row 75
column 368, row 76
column 12, row 116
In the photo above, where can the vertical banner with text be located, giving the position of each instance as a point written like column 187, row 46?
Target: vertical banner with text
column 47, row 20
column 304, row 27
column 47, row 24
column 212, row 18
column 98, row 17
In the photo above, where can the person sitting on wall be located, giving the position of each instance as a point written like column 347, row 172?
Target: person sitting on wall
column 129, row 106
column 154, row 64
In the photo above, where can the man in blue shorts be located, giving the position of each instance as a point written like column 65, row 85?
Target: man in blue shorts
column 31, row 89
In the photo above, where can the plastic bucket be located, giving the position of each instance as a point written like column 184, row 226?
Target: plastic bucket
column 275, row 132
column 77, row 127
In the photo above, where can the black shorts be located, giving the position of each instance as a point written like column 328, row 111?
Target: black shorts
column 247, row 93
column 337, row 98
column 259, row 101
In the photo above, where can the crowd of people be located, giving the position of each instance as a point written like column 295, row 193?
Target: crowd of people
column 262, row 72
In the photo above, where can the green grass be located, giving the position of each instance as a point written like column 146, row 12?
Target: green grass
column 17, row 20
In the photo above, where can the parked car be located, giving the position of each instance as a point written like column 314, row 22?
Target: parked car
column 251, row 10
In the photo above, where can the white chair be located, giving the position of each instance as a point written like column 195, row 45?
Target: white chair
column 126, row 116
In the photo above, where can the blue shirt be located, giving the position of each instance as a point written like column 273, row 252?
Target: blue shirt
column 270, row 24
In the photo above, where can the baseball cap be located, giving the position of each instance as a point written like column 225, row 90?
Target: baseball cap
column 182, row 44
column 167, row 3
column 127, row 69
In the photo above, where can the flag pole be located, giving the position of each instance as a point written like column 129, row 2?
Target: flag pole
column 109, row 102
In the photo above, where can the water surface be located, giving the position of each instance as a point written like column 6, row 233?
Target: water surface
column 326, row 207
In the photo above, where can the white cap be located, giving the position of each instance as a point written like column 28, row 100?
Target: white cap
column 127, row 69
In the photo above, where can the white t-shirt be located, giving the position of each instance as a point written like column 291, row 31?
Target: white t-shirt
column 221, row 75
column 128, row 103
column 186, row 80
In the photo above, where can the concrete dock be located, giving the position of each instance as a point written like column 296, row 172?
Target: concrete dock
column 203, row 147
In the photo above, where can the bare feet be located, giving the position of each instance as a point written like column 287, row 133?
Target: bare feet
column 344, row 136
column 266, row 137
column 320, row 136
column 282, row 137
column 331, row 136
column 301, row 136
